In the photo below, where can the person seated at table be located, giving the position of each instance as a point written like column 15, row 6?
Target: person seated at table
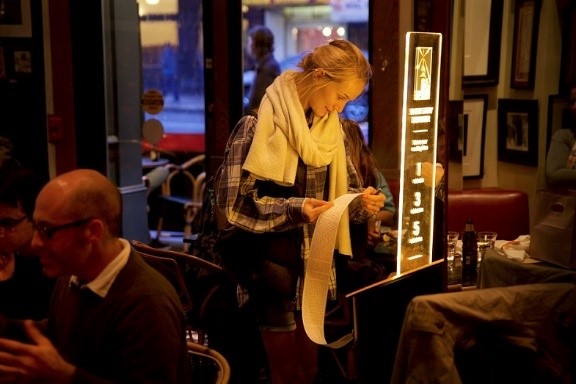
column 7, row 159
column 434, row 174
column 24, row 291
column 112, row 318
column 365, row 163
column 561, row 156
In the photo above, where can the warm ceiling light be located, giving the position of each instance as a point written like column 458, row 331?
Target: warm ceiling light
column 152, row 2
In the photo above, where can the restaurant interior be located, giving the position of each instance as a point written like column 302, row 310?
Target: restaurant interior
column 81, row 87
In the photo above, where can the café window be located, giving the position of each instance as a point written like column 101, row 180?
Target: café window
column 172, row 54
column 299, row 28
column 172, row 63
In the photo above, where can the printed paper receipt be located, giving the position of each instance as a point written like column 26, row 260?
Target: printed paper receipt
column 318, row 268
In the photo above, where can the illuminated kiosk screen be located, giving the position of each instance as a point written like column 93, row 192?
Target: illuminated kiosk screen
column 419, row 140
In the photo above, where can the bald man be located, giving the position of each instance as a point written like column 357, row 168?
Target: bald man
column 113, row 318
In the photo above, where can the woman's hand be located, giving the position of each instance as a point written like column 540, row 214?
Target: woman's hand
column 372, row 200
column 428, row 171
column 314, row 207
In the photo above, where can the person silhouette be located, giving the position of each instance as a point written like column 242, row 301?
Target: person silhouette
column 169, row 61
column 261, row 46
column 561, row 156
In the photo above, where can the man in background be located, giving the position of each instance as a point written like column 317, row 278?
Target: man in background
column 169, row 61
column 261, row 47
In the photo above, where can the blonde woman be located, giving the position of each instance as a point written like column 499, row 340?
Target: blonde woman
column 281, row 170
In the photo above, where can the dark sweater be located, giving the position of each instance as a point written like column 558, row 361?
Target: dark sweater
column 26, row 295
column 267, row 69
column 136, row 334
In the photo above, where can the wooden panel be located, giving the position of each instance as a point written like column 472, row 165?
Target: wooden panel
column 379, row 314
column 384, row 101
column 22, row 96
column 223, row 75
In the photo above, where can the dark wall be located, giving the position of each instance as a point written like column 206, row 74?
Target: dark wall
column 88, row 64
column 222, row 74
column 22, row 94
column 379, row 314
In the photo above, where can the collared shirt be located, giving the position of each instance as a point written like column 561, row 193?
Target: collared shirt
column 102, row 283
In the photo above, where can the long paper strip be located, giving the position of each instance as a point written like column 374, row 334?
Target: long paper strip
column 318, row 269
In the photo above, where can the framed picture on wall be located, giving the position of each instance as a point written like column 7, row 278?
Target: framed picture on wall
column 518, row 131
column 22, row 62
column 423, row 15
column 473, row 133
column 15, row 19
column 481, row 49
column 455, row 131
column 526, row 19
column 2, row 64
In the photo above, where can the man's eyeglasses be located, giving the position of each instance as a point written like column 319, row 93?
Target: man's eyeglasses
column 46, row 230
column 8, row 225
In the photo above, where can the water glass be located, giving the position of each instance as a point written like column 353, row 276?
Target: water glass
column 452, row 239
column 374, row 224
column 485, row 240
column 377, row 226
column 454, row 273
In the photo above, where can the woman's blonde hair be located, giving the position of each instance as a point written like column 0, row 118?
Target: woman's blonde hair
column 340, row 60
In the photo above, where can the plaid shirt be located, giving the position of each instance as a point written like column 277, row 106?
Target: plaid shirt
column 238, row 197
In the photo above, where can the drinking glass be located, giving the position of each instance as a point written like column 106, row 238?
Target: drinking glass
column 378, row 226
column 485, row 240
column 452, row 240
column 454, row 274
column 375, row 224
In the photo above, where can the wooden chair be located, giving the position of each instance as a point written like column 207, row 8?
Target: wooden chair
column 208, row 364
column 196, row 281
column 214, row 317
column 184, row 186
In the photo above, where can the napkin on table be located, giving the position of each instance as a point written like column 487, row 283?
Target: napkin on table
column 515, row 249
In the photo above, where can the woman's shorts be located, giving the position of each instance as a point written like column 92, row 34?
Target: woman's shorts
column 273, row 297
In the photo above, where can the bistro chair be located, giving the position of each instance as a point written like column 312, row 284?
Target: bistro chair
column 213, row 314
column 182, row 190
column 196, row 281
column 153, row 180
column 208, row 365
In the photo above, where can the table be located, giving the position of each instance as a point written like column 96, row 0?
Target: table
column 148, row 163
column 496, row 270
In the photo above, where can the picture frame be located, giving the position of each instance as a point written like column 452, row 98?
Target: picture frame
column 2, row 64
column 423, row 15
column 16, row 20
column 473, row 135
column 518, row 131
column 558, row 116
column 455, row 129
column 526, row 20
column 481, row 50
column 22, row 62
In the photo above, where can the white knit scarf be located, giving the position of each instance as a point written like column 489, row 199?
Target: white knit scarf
column 282, row 136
